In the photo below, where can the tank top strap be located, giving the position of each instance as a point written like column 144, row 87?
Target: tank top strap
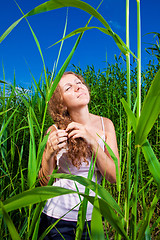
column 103, row 126
column 104, row 137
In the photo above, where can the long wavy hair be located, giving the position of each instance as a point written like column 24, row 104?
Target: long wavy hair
column 78, row 150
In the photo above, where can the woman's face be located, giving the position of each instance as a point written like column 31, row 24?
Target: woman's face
column 74, row 92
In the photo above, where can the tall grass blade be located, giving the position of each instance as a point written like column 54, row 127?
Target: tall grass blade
column 60, row 49
column 5, row 34
column 33, row 196
column 36, row 216
column 54, row 4
column 54, row 224
column 97, row 230
column 1, row 113
column 85, row 182
column 119, row 43
column 103, row 193
column 152, row 161
column 146, row 221
column 37, row 43
column 137, row 159
column 63, row 68
column 114, row 158
column 1, row 81
column 128, row 181
column 7, row 122
column 38, row 88
column 130, row 114
column 83, row 207
column 81, row 219
column 40, row 194
column 40, row 151
column 150, row 111
column 32, row 163
column 138, row 60
column 10, row 225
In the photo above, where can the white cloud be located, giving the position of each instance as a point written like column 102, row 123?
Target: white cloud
column 116, row 26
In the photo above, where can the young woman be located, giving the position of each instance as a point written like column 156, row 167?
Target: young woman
column 72, row 140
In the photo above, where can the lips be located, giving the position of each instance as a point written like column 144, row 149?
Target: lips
column 80, row 95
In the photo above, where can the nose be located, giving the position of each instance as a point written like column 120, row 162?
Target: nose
column 76, row 87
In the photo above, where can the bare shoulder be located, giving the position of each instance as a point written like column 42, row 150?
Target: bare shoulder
column 108, row 124
column 109, row 128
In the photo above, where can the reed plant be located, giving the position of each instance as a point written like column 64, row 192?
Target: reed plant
column 125, row 206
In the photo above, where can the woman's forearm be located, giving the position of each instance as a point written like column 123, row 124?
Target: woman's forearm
column 105, row 163
column 47, row 167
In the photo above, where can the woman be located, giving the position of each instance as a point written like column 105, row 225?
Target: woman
column 71, row 142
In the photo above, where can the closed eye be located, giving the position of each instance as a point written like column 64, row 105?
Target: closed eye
column 67, row 88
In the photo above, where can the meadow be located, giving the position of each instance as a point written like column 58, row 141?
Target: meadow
column 130, row 98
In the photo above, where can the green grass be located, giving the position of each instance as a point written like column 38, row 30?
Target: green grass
column 106, row 93
column 131, row 207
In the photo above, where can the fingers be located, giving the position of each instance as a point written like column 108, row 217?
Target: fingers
column 57, row 139
column 76, row 130
column 62, row 145
column 74, row 125
column 75, row 134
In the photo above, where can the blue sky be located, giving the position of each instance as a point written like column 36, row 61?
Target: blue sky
column 19, row 53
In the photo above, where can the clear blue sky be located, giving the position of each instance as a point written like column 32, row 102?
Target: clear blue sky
column 18, row 52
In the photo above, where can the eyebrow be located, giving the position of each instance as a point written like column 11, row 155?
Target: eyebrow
column 67, row 84
column 75, row 80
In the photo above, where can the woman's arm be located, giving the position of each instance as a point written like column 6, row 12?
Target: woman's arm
column 57, row 139
column 104, row 161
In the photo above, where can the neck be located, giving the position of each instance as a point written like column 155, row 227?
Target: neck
column 81, row 115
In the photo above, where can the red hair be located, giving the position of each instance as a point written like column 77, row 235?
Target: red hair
column 78, row 149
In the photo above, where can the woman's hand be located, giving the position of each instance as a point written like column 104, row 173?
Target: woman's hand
column 78, row 130
column 57, row 140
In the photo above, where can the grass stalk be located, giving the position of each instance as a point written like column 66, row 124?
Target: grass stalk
column 135, row 195
column 127, row 197
column 136, row 173
column 138, row 60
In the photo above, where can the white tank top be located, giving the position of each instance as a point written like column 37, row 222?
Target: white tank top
column 56, row 207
